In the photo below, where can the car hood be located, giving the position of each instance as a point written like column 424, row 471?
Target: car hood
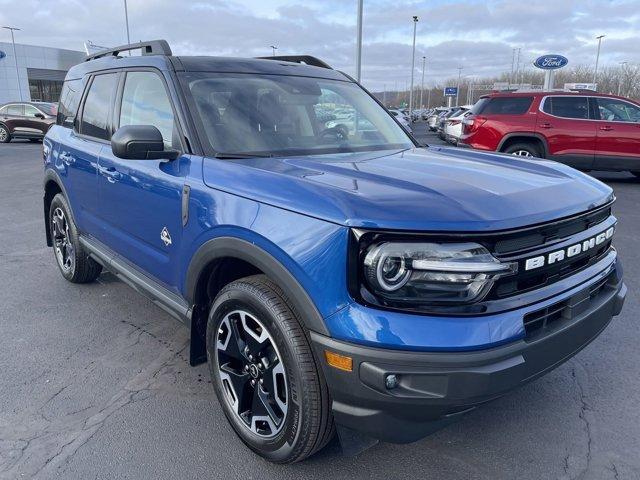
column 423, row 189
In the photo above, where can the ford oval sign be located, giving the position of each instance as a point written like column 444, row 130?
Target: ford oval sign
column 550, row 62
column 2, row 54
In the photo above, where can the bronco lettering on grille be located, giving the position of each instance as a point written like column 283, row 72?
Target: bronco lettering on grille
column 571, row 251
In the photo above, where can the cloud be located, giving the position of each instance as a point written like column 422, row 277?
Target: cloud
column 479, row 36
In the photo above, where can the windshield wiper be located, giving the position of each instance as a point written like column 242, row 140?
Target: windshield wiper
column 232, row 155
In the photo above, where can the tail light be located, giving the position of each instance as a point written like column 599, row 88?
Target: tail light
column 472, row 123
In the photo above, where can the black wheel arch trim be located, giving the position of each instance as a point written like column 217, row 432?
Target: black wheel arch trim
column 225, row 247
column 525, row 135
column 52, row 176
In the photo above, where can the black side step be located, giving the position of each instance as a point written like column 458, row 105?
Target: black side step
column 170, row 302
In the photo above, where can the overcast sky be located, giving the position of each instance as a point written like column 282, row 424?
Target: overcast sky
column 476, row 35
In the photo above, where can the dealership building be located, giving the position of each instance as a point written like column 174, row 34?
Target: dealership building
column 39, row 75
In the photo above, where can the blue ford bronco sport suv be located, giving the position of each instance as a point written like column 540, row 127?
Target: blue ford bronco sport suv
column 334, row 278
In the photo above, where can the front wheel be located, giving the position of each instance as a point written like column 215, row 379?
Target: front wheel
column 523, row 150
column 264, row 373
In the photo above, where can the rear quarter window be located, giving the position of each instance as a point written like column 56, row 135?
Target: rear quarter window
column 69, row 100
column 502, row 105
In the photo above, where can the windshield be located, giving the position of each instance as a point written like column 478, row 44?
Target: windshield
column 285, row 115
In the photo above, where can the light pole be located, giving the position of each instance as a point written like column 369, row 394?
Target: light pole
column 424, row 59
column 359, row 42
column 595, row 72
column 413, row 66
column 623, row 65
column 273, row 50
column 15, row 58
column 458, row 87
column 126, row 20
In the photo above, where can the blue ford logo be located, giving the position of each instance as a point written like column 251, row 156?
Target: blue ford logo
column 2, row 54
column 550, row 62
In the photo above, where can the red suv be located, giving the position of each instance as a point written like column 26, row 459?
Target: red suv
column 589, row 131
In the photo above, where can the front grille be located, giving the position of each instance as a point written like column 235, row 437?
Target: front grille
column 520, row 246
column 548, row 319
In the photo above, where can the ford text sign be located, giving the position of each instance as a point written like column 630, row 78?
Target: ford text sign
column 450, row 91
column 550, row 62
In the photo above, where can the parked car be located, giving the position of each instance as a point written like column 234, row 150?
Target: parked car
column 363, row 285
column 443, row 118
column 586, row 130
column 453, row 125
column 26, row 120
column 402, row 118
column 434, row 118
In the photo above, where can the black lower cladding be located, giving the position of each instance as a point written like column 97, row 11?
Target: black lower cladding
column 434, row 388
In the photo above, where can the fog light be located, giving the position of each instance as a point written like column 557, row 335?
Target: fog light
column 392, row 381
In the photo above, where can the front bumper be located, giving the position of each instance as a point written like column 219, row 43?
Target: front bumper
column 437, row 387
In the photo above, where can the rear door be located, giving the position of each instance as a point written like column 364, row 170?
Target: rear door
column 12, row 116
column 142, row 199
column 570, row 131
column 79, row 150
column 618, row 134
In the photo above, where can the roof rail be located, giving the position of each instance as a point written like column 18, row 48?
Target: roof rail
column 306, row 59
column 152, row 47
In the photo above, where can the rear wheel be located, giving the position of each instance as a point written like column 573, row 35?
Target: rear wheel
column 74, row 263
column 523, row 149
column 264, row 373
column 5, row 136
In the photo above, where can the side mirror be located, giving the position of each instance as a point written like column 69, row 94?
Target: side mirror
column 140, row 142
column 39, row 115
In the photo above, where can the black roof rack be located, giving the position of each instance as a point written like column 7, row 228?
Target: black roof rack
column 153, row 47
column 306, row 59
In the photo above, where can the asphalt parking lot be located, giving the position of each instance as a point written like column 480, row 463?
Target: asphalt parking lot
column 95, row 382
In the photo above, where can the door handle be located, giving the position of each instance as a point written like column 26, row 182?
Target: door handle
column 67, row 158
column 110, row 173
column 607, row 128
column 545, row 125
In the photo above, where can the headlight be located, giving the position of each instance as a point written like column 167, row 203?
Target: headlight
column 414, row 274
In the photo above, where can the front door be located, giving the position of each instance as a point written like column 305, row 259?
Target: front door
column 142, row 199
column 618, row 143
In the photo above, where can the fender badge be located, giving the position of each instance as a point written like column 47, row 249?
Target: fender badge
column 165, row 237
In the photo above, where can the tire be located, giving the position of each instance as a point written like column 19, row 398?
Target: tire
column 523, row 149
column 74, row 263
column 5, row 136
column 292, row 383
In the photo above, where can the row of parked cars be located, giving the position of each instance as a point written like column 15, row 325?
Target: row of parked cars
column 583, row 129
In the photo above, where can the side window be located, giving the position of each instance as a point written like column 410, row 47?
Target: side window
column 567, row 107
column 145, row 102
column 95, row 114
column 16, row 110
column 507, row 106
column 69, row 100
column 31, row 111
column 614, row 110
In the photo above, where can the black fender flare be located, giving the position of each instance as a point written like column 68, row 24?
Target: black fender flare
column 51, row 175
column 234, row 247
column 537, row 136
